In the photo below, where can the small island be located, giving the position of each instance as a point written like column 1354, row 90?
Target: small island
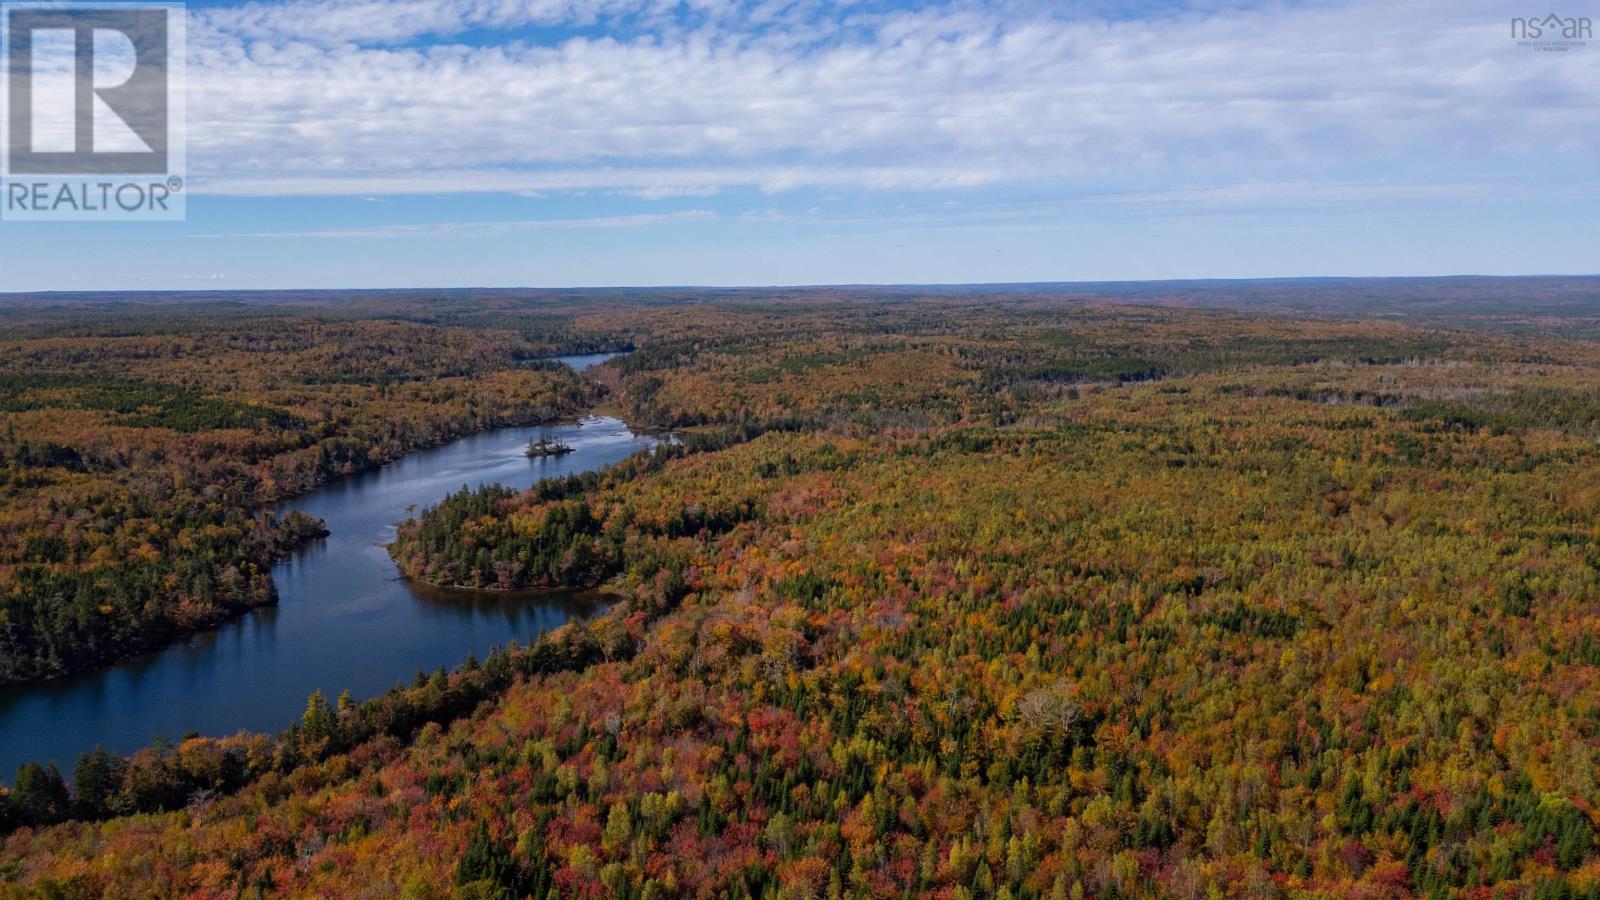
column 545, row 447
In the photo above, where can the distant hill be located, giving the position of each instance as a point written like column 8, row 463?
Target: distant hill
column 1485, row 299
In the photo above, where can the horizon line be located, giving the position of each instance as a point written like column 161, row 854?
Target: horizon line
column 803, row 287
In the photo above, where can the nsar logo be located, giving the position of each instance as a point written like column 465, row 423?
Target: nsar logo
column 1552, row 33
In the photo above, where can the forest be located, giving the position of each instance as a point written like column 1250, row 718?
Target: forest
column 955, row 595
column 141, row 453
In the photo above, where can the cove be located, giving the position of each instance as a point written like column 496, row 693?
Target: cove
column 344, row 618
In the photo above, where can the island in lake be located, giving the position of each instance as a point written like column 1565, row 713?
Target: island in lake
column 932, row 593
column 545, row 447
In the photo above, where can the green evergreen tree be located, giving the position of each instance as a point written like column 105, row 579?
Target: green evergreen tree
column 486, row 867
column 40, row 795
column 97, row 780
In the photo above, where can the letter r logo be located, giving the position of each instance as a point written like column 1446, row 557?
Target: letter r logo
column 113, row 111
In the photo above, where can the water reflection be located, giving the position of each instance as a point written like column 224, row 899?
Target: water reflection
column 541, row 610
column 581, row 361
column 345, row 619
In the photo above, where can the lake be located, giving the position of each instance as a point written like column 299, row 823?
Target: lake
column 583, row 360
column 344, row 618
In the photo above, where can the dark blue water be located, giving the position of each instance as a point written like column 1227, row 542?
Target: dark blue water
column 345, row 618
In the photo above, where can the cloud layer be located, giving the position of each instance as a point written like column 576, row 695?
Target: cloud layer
column 671, row 99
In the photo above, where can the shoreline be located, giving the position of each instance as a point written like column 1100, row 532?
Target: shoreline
column 133, row 650
column 500, row 593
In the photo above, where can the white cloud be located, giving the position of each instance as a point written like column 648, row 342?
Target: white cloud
column 657, row 182
column 483, row 228
column 964, row 95
column 370, row 22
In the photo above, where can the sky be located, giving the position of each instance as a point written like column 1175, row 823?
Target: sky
column 440, row 143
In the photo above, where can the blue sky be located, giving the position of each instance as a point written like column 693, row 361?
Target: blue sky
column 636, row 142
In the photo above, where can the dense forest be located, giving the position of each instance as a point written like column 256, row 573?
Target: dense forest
column 957, row 596
column 140, row 453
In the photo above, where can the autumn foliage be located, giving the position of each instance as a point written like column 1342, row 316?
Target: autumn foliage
column 968, row 598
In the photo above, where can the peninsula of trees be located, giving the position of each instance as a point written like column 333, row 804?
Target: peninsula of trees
column 947, row 594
